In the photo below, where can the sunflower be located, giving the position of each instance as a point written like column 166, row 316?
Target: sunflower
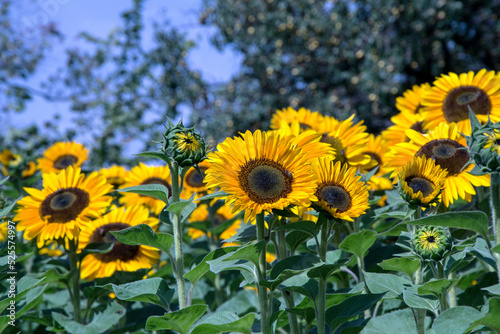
column 62, row 155
column 262, row 171
column 376, row 148
column 339, row 191
column 121, row 257
column 348, row 140
column 29, row 169
column 448, row 148
column 221, row 215
column 115, row 175
column 9, row 160
column 412, row 98
column 431, row 242
column 143, row 174
column 307, row 120
column 421, row 181
column 403, row 121
column 452, row 95
column 493, row 141
column 194, row 182
column 66, row 201
column 3, row 231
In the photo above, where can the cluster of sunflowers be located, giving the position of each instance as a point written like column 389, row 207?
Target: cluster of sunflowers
column 307, row 163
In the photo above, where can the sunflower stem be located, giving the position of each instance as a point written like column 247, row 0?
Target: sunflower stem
column 178, row 233
column 495, row 214
column 322, row 249
column 420, row 318
column 262, row 275
column 75, row 279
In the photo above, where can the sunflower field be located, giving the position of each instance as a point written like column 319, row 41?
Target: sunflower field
column 313, row 225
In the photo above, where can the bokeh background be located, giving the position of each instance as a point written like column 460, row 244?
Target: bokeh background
column 108, row 73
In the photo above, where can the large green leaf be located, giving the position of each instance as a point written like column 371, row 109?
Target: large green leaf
column 401, row 264
column 491, row 319
column 240, row 303
column 151, row 290
column 353, row 306
column 434, row 287
column 289, row 267
column 203, row 267
column 5, row 211
column 427, row 302
column 334, row 261
column 143, row 234
column 250, row 252
column 481, row 251
column 222, row 264
column 397, row 322
column 306, row 226
column 183, row 209
column 180, row 321
column 386, row 283
column 476, row 221
column 155, row 190
column 154, row 154
column 99, row 324
column 303, row 285
column 296, row 238
column 212, row 196
column 455, row 320
column 224, row 322
column 358, row 243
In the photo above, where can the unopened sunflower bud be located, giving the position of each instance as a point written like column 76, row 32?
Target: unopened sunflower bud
column 431, row 242
column 484, row 145
column 184, row 145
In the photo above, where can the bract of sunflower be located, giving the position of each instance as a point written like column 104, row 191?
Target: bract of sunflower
column 67, row 200
column 262, row 171
column 450, row 97
column 307, row 119
column 448, row 148
column 339, row 192
column 61, row 155
column 122, row 257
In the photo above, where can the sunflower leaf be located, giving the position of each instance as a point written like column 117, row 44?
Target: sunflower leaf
column 98, row 247
column 349, row 308
column 180, row 321
column 359, row 243
column 2, row 181
column 157, row 191
column 222, row 322
column 289, row 267
column 401, row 264
column 155, row 154
column 212, row 196
column 5, row 211
column 203, row 267
column 143, row 234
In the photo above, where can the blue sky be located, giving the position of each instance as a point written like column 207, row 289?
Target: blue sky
column 98, row 18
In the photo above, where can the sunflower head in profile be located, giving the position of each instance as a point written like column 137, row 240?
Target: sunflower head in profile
column 67, row 199
column 61, row 155
column 451, row 96
column 431, row 242
column 121, row 257
column 340, row 193
column 115, row 175
column 221, row 215
column 412, row 99
column 449, row 151
column 421, row 181
column 262, row 171
column 194, row 180
column 141, row 175
column 305, row 118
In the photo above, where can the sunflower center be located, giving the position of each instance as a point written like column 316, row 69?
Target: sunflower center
column 304, row 127
column 115, row 181
column 417, row 108
column 219, row 219
column 337, row 145
column 64, row 161
column 376, row 157
column 447, row 153
column 420, row 184
column 157, row 180
column 195, row 179
column 265, row 181
column 457, row 102
column 431, row 239
column 119, row 251
column 418, row 127
column 64, row 205
column 336, row 197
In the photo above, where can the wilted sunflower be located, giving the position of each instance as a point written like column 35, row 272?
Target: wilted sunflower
column 66, row 201
column 421, row 181
column 448, row 148
column 262, row 171
column 222, row 214
column 403, row 121
column 62, row 155
column 195, row 182
column 340, row 193
column 140, row 175
column 412, row 98
column 307, row 119
column 115, row 175
column 121, row 257
column 451, row 96
column 348, row 140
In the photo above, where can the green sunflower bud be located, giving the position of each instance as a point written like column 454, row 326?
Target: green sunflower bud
column 184, row 145
column 431, row 242
column 484, row 144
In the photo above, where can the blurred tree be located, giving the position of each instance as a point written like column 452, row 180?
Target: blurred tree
column 341, row 57
column 123, row 91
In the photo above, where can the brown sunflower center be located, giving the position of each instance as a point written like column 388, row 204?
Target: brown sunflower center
column 447, row 153
column 417, row 126
column 158, row 180
column 218, row 219
column 336, row 197
column 431, row 239
column 420, row 184
column 304, row 127
column 265, row 181
column 195, row 179
column 64, row 161
column 417, row 108
column 116, row 181
column 64, row 205
column 119, row 251
column 376, row 157
column 336, row 143
column 457, row 102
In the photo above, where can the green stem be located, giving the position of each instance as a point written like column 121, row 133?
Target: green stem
column 262, row 275
column 495, row 213
column 444, row 295
column 420, row 319
column 320, row 314
column 75, row 279
column 452, row 293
